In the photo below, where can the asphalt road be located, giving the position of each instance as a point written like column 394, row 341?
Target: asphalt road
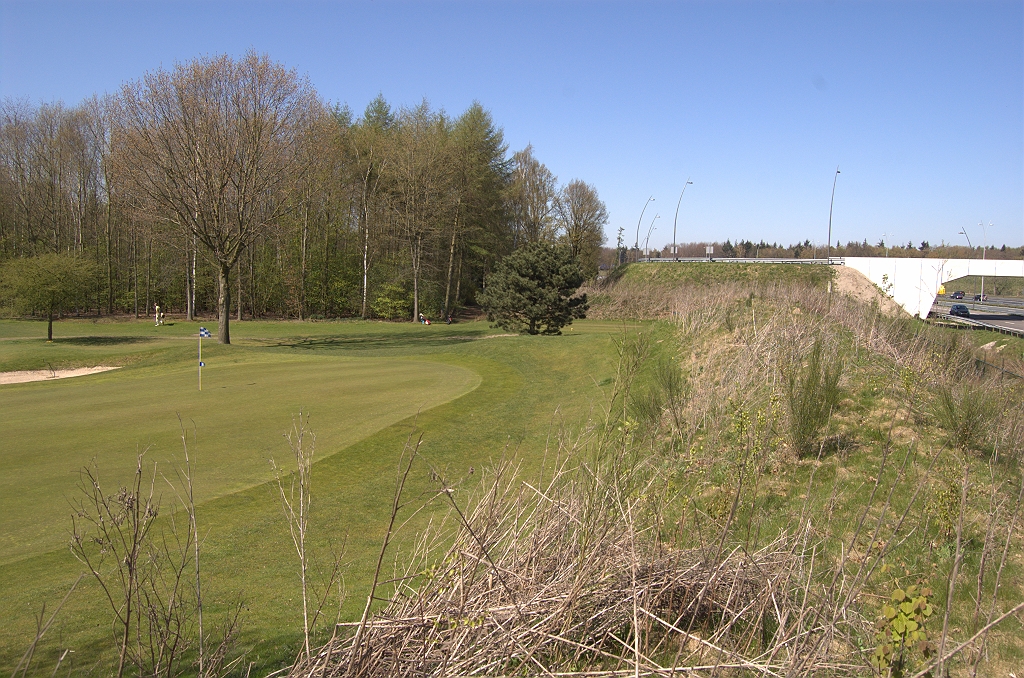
column 998, row 302
column 994, row 312
column 993, row 305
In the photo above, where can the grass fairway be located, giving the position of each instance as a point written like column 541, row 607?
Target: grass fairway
column 366, row 387
column 108, row 418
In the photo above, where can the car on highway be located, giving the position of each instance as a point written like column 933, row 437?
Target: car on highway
column 959, row 294
column 981, row 297
column 960, row 310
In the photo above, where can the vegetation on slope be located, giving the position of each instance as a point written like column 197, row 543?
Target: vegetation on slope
column 769, row 479
column 922, row 446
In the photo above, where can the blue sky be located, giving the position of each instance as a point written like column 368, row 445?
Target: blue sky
column 921, row 104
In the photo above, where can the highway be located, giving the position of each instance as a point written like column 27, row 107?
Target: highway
column 999, row 313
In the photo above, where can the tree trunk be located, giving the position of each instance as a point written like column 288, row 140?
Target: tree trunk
column 416, row 279
column 238, row 274
column 302, row 264
column 458, row 282
column 366, row 236
column 326, row 284
column 366, row 263
column 49, row 324
column 188, row 284
column 110, row 267
column 451, row 267
column 195, row 254
column 135, row 269
column 252, row 284
column 224, row 304
column 149, row 269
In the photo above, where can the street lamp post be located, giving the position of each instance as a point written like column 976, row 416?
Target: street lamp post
column 675, row 248
column 984, row 246
column 830, row 205
column 647, row 240
column 963, row 232
column 636, row 244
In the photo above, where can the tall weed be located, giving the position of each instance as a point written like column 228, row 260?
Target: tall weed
column 964, row 411
column 813, row 393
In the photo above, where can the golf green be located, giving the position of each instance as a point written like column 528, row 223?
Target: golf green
column 109, row 418
column 470, row 393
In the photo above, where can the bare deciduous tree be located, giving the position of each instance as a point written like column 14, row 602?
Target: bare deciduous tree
column 581, row 219
column 531, row 199
column 213, row 145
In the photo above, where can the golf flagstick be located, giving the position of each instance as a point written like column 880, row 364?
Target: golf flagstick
column 203, row 332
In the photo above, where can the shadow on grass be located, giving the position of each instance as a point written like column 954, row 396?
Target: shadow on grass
column 369, row 342
column 101, row 341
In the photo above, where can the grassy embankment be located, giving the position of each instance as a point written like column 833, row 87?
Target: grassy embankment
column 366, row 386
column 915, row 432
column 994, row 286
column 874, row 501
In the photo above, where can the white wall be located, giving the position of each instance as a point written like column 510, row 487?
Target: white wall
column 914, row 283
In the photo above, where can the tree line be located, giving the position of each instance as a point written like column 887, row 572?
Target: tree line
column 228, row 185
column 811, row 250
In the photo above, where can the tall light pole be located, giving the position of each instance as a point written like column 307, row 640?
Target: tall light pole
column 984, row 246
column 963, row 232
column 636, row 245
column 675, row 250
column 830, row 204
column 647, row 240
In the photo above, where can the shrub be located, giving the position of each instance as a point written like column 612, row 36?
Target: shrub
column 392, row 302
column 812, row 393
column 963, row 410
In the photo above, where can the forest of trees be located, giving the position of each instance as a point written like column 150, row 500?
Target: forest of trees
column 228, row 186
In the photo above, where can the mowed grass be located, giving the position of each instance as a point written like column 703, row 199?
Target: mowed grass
column 51, row 429
column 471, row 395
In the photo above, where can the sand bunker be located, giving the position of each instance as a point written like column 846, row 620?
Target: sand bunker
column 41, row 375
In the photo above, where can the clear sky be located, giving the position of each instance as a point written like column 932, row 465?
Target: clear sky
column 920, row 104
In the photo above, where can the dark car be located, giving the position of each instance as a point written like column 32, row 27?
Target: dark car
column 960, row 310
column 959, row 294
column 981, row 297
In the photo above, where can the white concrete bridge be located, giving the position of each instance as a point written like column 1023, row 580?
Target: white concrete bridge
column 913, row 283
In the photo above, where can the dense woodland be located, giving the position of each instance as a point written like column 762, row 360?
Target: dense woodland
column 229, row 186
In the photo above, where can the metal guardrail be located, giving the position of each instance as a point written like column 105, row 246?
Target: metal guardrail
column 977, row 323
column 835, row 261
column 982, row 366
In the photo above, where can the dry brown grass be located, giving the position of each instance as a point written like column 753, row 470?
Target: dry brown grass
column 571, row 578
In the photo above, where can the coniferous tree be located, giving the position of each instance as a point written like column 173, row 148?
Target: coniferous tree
column 533, row 290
